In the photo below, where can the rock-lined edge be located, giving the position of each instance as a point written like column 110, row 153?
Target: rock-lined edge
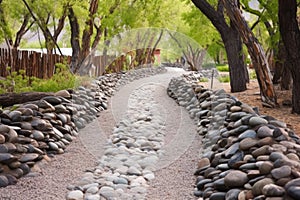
column 36, row 131
column 245, row 155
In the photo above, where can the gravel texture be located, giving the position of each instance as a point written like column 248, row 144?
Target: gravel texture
column 174, row 175
column 54, row 177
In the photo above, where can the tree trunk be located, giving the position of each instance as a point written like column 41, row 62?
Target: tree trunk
column 290, row 34
column 237, row 69
column 231, row 39
column 256, row 52
column 279, row 63
column 286, row 78
column 10, row 99
column 88, row 32
column 74, row 39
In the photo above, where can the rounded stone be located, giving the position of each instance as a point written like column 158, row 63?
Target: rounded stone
column 120, row 180
column 149, row 176
column 247, row 134
column 63, row 93
column 37, row 135
column 266, row 167
column 15, row 115
column 204, row 162
column 7, row 158
column 235, row 108
column 28, row 157
column 53, row 146
column 92, row 197
column 259, row 185
column 276, row 156
column 75, row 195
column 235, row 178
column 133, row 171
column 41, row 125
column 60, row 109
column 272, row 190
column 232, row 150
column 14, row 165
column 25, row 168
column 281, row 172
column 12, row 135
column 264, row 131
column 53, row 100
column 217, row 196
column 18, row 173
column 3, row 181
column 232, row 194
column 294, row 192
column 254, row 121
column 2, row 139
column 265, row 141
column 92, row 190
column 264, row 150
column 293, row 156
column 247, row 143
column 27, row 112
column 3, row 148
column 202, row 183
column 107, row 192
column 11, row 179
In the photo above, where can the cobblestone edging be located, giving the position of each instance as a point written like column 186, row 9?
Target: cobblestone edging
column 245, row 155
column 37, row 130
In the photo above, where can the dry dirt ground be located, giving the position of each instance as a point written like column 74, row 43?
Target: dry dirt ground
column 283, row 113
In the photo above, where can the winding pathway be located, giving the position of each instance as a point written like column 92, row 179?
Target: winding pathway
column 161, row 165
column 145, row 115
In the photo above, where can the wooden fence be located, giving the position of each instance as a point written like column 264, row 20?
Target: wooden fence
column 36, row 64
column 42, row 65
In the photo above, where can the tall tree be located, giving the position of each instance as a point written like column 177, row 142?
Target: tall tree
column 267, row 14
column 45, row 17
column 290, row 34
column 256, row 52
column 193, row 53
column 90, row 39
column 200, row 28
column 232, row 42
column 15, row 22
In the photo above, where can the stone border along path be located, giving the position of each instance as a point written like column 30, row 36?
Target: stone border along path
column 151, row 133
column 245, row 155
column 66, row 111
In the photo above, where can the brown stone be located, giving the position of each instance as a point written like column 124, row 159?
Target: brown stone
column 204, row 162
column 247, row 143
column 265, row 141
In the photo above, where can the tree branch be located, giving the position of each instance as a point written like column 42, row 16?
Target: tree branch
column 44, row 29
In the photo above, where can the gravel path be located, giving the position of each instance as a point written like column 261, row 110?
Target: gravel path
column 174, row 172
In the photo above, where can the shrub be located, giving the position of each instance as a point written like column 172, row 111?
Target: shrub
column 18, row 81
column 62, row 79
column 223, row 68
column 208, row 65
column 224, row 79
column 252, row 74
column 15, row 82
column 203, row 79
